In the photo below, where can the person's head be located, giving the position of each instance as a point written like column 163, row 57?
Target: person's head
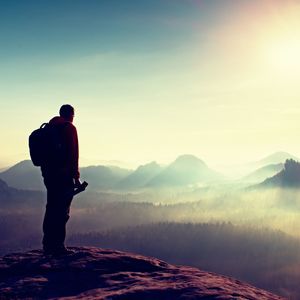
column 67, row 112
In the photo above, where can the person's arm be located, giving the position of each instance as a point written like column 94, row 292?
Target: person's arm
column 72, row 152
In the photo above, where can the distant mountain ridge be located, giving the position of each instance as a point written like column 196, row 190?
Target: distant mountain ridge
column 275, row 158
column 288, row 177
column 23, row 175
column 186, row 169
column 17, row 198
column 103, row 177
column 3, row 186
column 140, row 177
column 263, row 173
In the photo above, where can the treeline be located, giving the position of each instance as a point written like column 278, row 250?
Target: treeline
column 20, row 231
column 263, row 257
column 13, row 199
column 20, row 222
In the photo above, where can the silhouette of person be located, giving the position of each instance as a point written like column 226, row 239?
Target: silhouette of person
column 61, row 176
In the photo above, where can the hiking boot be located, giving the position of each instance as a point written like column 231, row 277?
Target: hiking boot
column 58, row 252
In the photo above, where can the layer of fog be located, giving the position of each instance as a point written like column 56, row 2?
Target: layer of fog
column 277, row 209
column 269, row 219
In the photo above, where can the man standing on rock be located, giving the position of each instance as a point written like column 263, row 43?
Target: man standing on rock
column 61, row 176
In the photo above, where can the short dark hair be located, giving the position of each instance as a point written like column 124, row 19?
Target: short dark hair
column 66, row 111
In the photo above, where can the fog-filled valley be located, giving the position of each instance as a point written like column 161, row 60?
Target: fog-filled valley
column 184, row 213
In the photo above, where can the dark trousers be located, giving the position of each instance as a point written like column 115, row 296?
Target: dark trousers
column 59, row 198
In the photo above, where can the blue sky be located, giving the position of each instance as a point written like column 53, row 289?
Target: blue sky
column 150, row 80
column 64, row 28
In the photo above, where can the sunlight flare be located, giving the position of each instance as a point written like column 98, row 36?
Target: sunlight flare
column 284, row 53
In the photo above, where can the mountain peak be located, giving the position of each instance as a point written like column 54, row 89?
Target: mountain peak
column 23, row 175
column 277, row 157
column 189, row 159
column 187, row 169
column 22, row 165
column 109, row 274
column 152, row 164
column 288, row 177
column 140, row 177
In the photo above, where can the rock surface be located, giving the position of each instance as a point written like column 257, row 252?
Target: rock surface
column 94, row 273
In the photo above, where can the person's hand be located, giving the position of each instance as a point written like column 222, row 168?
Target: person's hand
column 77, row 183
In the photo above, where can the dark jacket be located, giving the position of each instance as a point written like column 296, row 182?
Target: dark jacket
column 69, row 166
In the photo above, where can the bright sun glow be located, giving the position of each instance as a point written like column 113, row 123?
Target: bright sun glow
column 285, row 53
column 282, row 39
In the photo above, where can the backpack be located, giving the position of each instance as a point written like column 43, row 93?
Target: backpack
column 46, row 145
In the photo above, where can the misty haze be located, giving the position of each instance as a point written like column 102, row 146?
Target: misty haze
column 182, row 117
column 184, row 212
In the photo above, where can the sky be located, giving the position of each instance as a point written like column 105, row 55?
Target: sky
column 153, row 79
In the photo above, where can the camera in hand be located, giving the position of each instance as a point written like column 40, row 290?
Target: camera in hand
column 81, row 188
